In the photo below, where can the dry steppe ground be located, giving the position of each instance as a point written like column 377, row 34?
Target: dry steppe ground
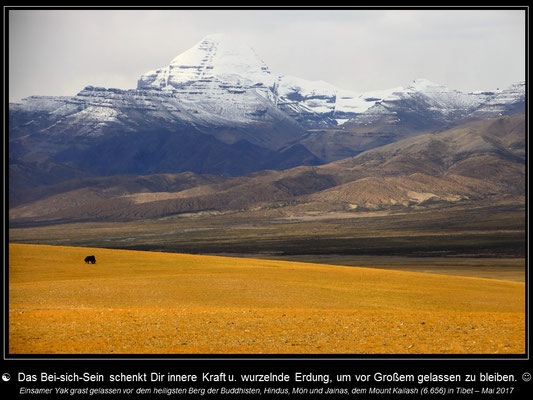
column 148, row 302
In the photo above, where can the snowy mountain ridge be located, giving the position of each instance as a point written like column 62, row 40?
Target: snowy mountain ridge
column 220, row 63
column 219, row 109
column 222, row 81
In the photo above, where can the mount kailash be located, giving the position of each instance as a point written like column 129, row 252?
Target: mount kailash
column 218, row 108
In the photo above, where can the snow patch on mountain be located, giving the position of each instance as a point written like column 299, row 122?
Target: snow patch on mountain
column 217, row 57
column 220, row 64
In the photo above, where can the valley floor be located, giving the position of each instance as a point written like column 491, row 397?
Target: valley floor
column 486, row 241
column 136, row 302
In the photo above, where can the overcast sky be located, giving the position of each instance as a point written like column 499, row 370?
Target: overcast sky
column 58, row 52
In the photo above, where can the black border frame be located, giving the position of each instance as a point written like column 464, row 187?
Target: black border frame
column 249, row 357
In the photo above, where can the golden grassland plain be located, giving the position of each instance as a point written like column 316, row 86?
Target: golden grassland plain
column 135, row 302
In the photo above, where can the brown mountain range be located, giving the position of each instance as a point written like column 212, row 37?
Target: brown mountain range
column 478, row 160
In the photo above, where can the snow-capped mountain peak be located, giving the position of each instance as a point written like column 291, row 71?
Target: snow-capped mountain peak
column 217, row 108
column 219, row 57
column 223, row 69
column 425, row 85
column 221, row 82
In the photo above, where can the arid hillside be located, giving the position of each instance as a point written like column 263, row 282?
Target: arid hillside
column 476, row 161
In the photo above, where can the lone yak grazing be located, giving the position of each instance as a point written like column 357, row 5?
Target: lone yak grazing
column 90, row 259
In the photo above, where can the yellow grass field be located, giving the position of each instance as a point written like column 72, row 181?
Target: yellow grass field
column 145, row 302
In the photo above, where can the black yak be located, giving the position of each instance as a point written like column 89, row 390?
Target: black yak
column 90, row 259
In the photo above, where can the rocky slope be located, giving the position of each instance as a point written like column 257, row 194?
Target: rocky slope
column 475, row 161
